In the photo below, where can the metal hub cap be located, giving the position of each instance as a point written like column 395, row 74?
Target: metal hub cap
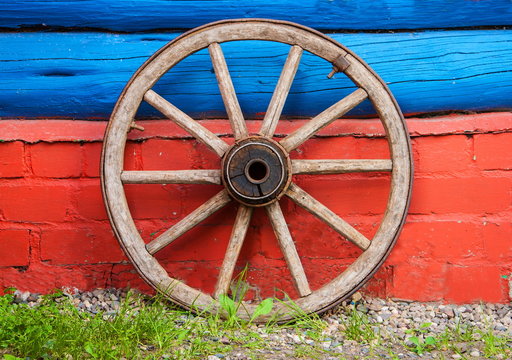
column 256, row 171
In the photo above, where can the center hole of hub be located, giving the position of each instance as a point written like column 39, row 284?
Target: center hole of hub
column 257, row 171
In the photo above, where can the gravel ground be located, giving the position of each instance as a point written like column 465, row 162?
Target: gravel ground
column 366, row 328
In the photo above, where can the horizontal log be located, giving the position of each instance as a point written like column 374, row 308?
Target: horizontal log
column 81, row 74
column 128, row 15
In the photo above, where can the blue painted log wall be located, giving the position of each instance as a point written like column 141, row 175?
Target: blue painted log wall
column 70, row 72
column 132, row 15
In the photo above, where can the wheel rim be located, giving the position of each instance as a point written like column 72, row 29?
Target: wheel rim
column 299, row 38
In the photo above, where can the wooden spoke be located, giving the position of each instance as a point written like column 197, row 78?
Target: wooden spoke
column 186, row 122
column 216, row 203
column 323, row 119
column 281, row 92
column 227, row 91
column 288, row 248
column 171, row 177
column 340, row 166
column 242, row 220
column 316, row 208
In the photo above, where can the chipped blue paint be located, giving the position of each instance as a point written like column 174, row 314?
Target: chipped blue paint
column 129, row 15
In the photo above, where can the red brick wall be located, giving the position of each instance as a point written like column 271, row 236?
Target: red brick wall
column 455, row 246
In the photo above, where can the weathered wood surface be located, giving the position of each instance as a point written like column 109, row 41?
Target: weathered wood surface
column 331, row 166
column 316, row 208
column 227, row 91
column 288, row 248
column 186, row 122
column 127, row 15
column 172, row 177
column 240, row 227
column 82, row 74
column 215, row 203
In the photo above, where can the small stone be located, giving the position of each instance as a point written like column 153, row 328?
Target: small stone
column 448, row 311
column 385, row 315
column 362, row 308
column 375, row 306
column 326, row 344
column 500, row 327
column 475, row 353
column 33, row 297
column 476, row 336
column 456, row 356
column 357, row 296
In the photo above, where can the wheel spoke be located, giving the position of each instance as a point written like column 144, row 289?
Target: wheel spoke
column 227, row 91
column 186, row 122
column 340, row 166
column 243, row 218
column 171, row 177
column 281, row 92
column 316, row 208
column 323, row 119
column 288, row 248
column 214, row 204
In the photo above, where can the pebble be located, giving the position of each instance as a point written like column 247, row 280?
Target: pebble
column 475, row 353
column 392, row 321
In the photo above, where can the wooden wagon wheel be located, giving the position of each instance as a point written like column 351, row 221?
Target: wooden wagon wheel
column 257, row 171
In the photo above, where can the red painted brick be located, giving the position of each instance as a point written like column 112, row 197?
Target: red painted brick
column 35, row 202
column 91, row 153
column 321, row 271
column 89, row 201
column 206, row 158
column 132, row 156
column 494, row 151
column 440, row 240
column 125, row 276
column 380, row 284
column 58, row 160
column 188, row 271
column 345, row 195
column 45, row 279
column 202, row 243
column 11, row 159
column 442, row 153
column 497, row 239
column 14, row 247
column 344, row 148
column 476, row 283
column 273, row 281
column 80, row 245
column 461, row 195
column 326, row 244
column 420, row 281
column 168, row 154
column 194, row 196
column 154, row 201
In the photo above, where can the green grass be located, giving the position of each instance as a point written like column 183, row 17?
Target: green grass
column 144, row 328
column 151, row 328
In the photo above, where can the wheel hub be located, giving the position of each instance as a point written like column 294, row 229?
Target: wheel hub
column 256, row 171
